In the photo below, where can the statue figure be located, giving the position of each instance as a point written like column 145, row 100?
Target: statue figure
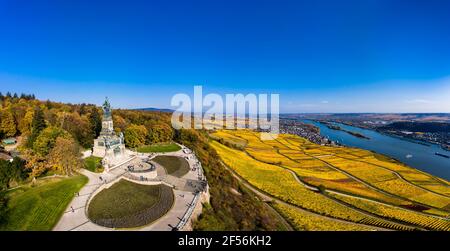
column 121, row 138
column 106, row 108
column 107, row 145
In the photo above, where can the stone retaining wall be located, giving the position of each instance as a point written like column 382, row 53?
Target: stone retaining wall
column 204, row 198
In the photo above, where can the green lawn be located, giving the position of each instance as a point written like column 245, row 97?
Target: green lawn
column 127, row 204
column 93, row 164
column 39, row 207
column 159, row 148
column 174, row 165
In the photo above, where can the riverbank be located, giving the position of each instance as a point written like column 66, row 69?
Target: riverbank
column 392, row 134
column 416, row 155
column 338, row 128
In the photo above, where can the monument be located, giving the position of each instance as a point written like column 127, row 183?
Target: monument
column 108, row 145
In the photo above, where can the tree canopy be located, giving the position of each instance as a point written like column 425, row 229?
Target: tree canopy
column 43, row 124
column 8, row 124
column 135, row 135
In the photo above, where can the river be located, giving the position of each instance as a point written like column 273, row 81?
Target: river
column 420, row 156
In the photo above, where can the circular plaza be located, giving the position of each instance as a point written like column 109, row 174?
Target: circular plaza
column 147, row 191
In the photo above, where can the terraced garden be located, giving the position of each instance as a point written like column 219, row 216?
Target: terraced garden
column 290, row 166
column 126, row 204
column 306, row 222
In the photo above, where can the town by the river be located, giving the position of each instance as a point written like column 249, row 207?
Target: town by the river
column 419, row 156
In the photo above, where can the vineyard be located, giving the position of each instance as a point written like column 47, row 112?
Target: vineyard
column 365, row 187
column 308, row 222
column 427, row 222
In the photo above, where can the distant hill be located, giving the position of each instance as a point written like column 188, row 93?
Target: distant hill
column 155, row 109
column 417, row 117
column 418, row 126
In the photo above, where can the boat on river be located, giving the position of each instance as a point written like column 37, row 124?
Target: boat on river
column 442, row 155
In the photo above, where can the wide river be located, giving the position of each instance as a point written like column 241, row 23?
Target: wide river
column 413, row 154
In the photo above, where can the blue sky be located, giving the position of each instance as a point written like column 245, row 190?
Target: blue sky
column 320, row 56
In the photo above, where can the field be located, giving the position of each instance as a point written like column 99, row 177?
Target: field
column 126, row 204
column 175, row 166
column 159, row 148
column 270, row 165
column 307, row 222
column 93, row 164
column 281, row 184
column 424, row 221
column 39, row 207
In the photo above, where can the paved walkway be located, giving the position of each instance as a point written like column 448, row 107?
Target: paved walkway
column 76, row 219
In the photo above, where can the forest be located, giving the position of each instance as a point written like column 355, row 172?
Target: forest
column 52, row 135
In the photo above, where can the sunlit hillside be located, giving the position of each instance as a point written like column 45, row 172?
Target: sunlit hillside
column 353, row 186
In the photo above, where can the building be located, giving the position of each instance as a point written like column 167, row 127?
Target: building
column 9, row 141
column 108, row 145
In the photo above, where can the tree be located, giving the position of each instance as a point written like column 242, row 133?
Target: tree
column 135, row 135
column 82, row 109
column 95, row 121
column 47, row 140
column 4, row 174
column 12, row 172
column 37, row 125
column 18, row 170
column 65, row 157
column 120, row 124
column 77, row 126
column 37, row 164
column 158, row 132
column 25, row 124
column 3, row 207
column 48, row 104
column 8, row 124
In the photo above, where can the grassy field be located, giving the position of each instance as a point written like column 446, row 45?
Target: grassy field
column 159, row 148
column 356, row 172
column 128, row 204
column 93, row 164
column 174, row 165
column 40, row 207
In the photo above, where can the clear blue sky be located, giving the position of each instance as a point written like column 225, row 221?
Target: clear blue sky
column 320, row 56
